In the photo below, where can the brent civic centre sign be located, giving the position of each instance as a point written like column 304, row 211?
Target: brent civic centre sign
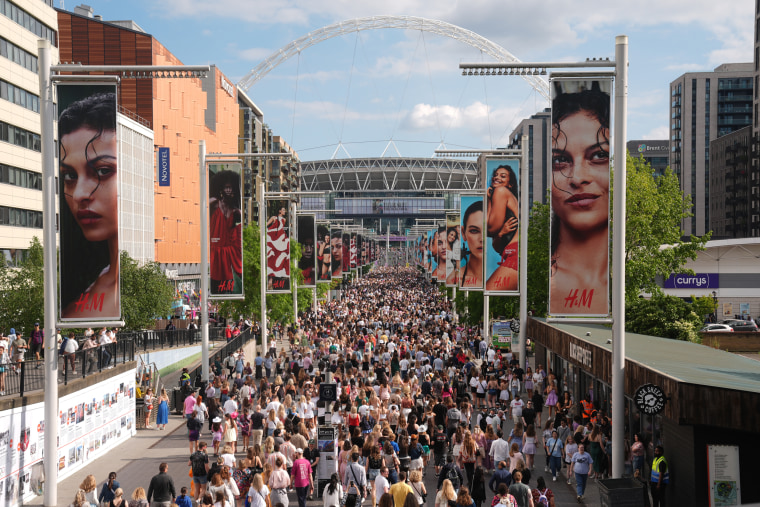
column 695, row 281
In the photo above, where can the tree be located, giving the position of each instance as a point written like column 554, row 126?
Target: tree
column 655, row 207
column 704, row 306
column 21, row 291
column 145, row 293
column 665, row 316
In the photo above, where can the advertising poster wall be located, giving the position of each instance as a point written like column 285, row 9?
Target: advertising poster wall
column 323, row 252
column 278, row 246
column 501, row 334
column 502, row 214
column 225, row 231
column 579, row 196
column 92, row 421
column 308, row 263
column 336, row 252
column 432, row 235
column 346, row 252
column 88, row 180
column 472, row 239
column 453, row 249
column 353, row 250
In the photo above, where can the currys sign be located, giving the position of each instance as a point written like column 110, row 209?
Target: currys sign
column 695, row 281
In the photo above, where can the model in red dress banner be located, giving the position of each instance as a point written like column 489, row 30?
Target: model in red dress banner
column 226, row 243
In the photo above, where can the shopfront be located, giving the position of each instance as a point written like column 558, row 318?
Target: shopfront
column 713, row 403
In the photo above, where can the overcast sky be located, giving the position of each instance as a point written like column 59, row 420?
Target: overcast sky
column 400, row 91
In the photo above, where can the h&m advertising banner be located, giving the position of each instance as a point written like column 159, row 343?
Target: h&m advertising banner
column 502, row 215
column 306, row 230
column 225, row 200
column 90, row 289
column 324, row 273
column 472, row 240
column 336, row 252
column 278, row 245
column 580, row 198
column 453, row 249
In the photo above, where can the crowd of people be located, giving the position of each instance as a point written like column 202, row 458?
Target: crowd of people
column 415, row 394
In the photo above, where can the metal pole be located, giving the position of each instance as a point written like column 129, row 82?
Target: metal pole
column 387, row 242
column 523, row 251
column 454, row 302
column 47, row 117
column 294, row 234
column 618, row 256
column 486, row 312
column 204, row 259
column 263, row 263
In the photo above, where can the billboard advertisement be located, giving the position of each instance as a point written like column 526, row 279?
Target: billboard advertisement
column 323, row 252
column 306, row 230
column 346, row 252
column 579, row 196
column 432, row 236
column 359, row 250
column 440, row 246
column 90, row 289
column 353, row 250
column 164, row 167
column 278, row 245
column 453, row 249
column 502, row 214
column 336, row 252
column 472, row 239
column 225, row 231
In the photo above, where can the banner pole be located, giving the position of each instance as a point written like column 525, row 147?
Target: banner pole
column 263, row 263
column 47, row 118
column 204, row 259
column 524, row 221
column 294, row 234
column 618, row 256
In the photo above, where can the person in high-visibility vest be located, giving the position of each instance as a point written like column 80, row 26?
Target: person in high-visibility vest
column 660, row 477
column 588, row 408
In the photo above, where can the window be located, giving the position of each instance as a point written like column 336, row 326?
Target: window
column 23, row 18
column 17, row 55
column 19, row 137
column 20, row 217
column 19, row 96
column 20, row 177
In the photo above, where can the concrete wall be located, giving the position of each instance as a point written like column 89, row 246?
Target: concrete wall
column 168, row 357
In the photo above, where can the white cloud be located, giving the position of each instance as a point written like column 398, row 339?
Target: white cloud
column 255, row 54
column 318, row 110
column 657, row 133
column 688, row 67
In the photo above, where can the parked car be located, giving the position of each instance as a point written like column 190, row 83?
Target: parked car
column 717, row 328
column 740, row 325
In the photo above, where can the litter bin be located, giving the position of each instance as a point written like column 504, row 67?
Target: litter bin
column 623, row 493
column 178, row 400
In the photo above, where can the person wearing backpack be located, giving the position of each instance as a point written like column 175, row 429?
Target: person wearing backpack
column 451, row 472
column 542, row 496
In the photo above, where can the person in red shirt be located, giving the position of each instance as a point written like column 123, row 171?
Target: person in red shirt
column 302, row 477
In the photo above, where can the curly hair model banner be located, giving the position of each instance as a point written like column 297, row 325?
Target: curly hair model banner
column 580, row 198
column 472, row 239
column 225, row 201
column 502, row 215
column 453, row 249
column 336, row 250
column 308, row 261
column 278, row 246
column 88, row 181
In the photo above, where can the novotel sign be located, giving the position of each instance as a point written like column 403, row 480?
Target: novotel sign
column 227, row 86
column 164, row 167
column 695, row 281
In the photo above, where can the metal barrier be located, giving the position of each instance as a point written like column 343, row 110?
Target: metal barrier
column 231, row 346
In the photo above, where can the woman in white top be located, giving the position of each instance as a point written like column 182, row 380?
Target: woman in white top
column 446, row 494
column 257, row 494
column 418, row 487
column 333, row 492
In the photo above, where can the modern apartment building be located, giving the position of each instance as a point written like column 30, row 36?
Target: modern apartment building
column 22, row 24
column 734, row 194
column 538, row 128
column 705, row 106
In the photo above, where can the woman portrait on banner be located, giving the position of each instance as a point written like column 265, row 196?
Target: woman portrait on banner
column 471, row 267
column 89, row 208
column 336, row 252
column 278, row 247
column 440, row 271
column 346, row 252
column 453, row 252
column 323, row 253
column 306, row 239
column 226, row 236
column 501, row 228
column 580, row 198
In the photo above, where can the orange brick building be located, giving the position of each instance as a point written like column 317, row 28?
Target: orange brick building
column 179, row 111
